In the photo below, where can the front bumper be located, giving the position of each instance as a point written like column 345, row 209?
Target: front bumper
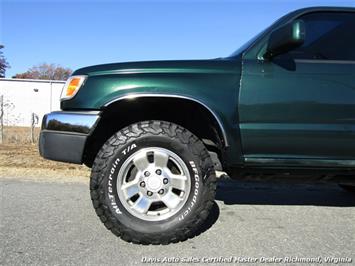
column 64, row 134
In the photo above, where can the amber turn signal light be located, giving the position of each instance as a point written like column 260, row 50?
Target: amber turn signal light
column 72, row 86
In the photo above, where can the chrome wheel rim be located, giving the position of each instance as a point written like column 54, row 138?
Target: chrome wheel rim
column 153, row 184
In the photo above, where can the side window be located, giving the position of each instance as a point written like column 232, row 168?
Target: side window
column 329, row 36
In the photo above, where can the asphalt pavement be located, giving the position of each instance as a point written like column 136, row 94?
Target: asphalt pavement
column 54, row 223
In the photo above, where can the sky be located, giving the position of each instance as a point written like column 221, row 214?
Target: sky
column 79, row 33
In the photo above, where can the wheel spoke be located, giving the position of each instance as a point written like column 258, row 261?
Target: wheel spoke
column 142, row 204
column 178, row 181
column 141, row 161
column 130, row 188
column 171, row 200
column 160, row 159
column 153, row 183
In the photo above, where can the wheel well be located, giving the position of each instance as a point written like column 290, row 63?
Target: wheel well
column 186, row 113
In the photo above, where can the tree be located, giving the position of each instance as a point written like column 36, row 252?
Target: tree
column 45, row 71
column 3, row 63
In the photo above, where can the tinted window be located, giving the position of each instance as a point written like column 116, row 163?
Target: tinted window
column 329, row 36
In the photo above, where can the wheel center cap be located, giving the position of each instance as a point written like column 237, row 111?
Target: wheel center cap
column 154, row 183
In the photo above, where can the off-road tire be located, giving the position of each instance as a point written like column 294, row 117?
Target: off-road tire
column 182, row 225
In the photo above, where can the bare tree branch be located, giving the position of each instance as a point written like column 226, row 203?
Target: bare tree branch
column 46, row 71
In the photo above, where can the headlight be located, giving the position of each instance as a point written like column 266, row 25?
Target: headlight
column 72, row 86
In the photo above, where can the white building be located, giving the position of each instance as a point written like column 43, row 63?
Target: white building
column 22, row 97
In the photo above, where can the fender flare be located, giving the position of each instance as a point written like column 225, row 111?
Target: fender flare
column 145, row 95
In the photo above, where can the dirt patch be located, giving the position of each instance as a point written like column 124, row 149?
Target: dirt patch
column 23, row 160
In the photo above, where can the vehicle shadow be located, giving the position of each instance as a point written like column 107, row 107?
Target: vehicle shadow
column 276, row 193
column 211, row 219
column 262, row 193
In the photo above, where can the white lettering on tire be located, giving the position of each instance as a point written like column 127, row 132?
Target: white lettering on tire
column 129, row 148
column 110, row 191
column 111, row 195
column 195, row 191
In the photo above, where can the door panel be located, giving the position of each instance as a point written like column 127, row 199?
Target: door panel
column 302, row 104
column 298, row 108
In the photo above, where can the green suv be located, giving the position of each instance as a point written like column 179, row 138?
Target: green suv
column 156, row 134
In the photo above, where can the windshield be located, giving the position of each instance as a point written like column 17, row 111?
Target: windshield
column 242, row 48
column 250, row 42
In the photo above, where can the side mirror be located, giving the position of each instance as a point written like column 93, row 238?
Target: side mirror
column 285, row 38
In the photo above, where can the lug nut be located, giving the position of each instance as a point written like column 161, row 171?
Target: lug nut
column 142, row 184
column 146, row 173
column 165, row 181
column 158, row 172
column 161, row 191
column 149, row 193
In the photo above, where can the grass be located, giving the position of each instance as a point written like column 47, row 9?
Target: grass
column 19, row 135
column 19, row 158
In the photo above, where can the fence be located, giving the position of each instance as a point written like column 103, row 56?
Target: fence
column 22, row 106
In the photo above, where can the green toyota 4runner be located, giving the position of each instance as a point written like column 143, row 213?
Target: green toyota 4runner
column 156, row 134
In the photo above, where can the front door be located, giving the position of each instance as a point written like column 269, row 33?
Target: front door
column 302, row 104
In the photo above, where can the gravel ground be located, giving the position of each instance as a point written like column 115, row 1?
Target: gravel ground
column 54, row 223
